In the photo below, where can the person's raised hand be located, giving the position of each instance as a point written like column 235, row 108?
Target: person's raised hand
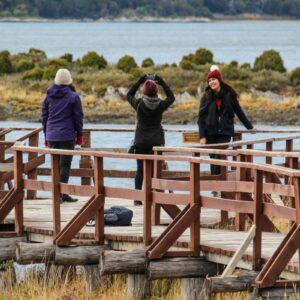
column 158, row 79
column 143, row 78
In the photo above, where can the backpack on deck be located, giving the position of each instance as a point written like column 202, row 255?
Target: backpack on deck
column 115, row 216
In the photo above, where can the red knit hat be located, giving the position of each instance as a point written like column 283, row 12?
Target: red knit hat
column 214, row 74
column 150, row 88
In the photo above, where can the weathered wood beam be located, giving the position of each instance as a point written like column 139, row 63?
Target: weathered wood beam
column 8, row 247
column 130, row 262
column 181, row 267
column 235, row 283
column 78, row 255
column 27, row 253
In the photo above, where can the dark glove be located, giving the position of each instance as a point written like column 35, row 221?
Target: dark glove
column 142, row 79
column 159, row 80
column 79, row 140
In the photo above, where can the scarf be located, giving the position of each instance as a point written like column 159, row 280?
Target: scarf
column 151, row 102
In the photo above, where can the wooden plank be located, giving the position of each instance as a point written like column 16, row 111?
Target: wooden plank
column 277, row 211
column 99, row 192
column 279, row 189
column 18, row 199
column 194, row 244
column 171, row 199
column 55, row 194
column 227, row 204
column 147, row 230
column 123, row 193
column 79, row 190
column 37, row 185
column 32, row 174
column 257, row 219
column 239, row 253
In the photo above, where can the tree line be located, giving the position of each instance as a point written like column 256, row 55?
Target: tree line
column 95, row 9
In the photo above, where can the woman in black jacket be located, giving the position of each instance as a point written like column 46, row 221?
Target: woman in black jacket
column 149, row 131
column 216, row 115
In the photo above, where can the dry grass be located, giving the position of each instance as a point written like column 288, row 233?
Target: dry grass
column 38, row 287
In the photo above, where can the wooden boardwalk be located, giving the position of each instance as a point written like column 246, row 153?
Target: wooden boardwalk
column 218, row 245
column 179, row 217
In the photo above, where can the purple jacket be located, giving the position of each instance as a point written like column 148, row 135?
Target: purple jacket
column 62, row 115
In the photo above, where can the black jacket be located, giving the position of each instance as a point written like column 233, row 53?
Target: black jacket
column 214, row 121
column 149, row 129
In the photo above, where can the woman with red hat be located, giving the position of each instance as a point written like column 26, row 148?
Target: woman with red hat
column 218, row 106
column 149, row 108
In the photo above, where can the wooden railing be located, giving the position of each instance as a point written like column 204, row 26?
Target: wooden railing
column 190, row 193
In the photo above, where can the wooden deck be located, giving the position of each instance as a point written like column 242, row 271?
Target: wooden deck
column 218, row 245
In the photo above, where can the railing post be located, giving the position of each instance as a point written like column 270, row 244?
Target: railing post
column 148, row 170
column 288, row 148
column 240, row 218
column 33, row 142
column 224, row 214
column 2, row 149
column 269, row 147
column 85, row 161
column 99, row 192
column 258, row 219
column 157, row 174
column 55, row 194
column 19, row 185
column 296, row 182
column 195, row 199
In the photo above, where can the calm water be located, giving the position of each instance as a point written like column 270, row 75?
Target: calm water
column 122, row 140
column 164, row 42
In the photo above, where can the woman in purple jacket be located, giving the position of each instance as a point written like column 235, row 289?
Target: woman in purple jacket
column 62, row 119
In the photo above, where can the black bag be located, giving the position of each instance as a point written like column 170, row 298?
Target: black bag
column 131, row 148
column 115, row 216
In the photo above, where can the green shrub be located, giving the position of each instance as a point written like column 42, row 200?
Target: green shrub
column 68, row 57
column 36, row 73
column 147, row 62
column 295, row 76
column 50, row 72
column 203, row 56
column 190, row 57
column 5, row 63
column 246, row 66
column 230, row 72
column 24, row 65
column 37, row 55
column 93, row 60
column 186, row 65
column 126, row 63
column 58, row 63
column 269, row 60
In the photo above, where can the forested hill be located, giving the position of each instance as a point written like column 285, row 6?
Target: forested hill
column 95, row 9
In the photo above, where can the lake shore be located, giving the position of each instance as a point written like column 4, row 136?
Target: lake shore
column 137, row 19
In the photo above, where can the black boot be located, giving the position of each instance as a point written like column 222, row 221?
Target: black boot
column 67, row 198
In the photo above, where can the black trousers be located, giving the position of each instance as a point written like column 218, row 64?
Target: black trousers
column 64, row 160
column 216, row 139
column 139, row 176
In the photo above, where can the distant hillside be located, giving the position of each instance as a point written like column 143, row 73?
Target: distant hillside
column 95, row 9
